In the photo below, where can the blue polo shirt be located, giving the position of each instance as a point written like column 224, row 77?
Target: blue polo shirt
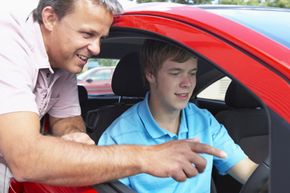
column 137, row 126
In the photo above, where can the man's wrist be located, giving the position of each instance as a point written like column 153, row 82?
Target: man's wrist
column 142, row 158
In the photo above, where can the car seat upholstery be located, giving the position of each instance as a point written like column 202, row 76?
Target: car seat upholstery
column 126, row 82
column 83, row 99
column 247, row 123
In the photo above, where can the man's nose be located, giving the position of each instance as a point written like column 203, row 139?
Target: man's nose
column 94, row 47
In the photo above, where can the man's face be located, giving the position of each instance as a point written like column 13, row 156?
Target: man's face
column 172, row 86
column 73, row 39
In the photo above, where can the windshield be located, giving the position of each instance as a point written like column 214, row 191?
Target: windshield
column 273, row 23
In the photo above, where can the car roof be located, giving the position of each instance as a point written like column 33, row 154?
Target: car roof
column 271, row 22
column 203, row 18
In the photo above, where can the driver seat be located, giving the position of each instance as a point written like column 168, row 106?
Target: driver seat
column 126, row 83
column 247, row 123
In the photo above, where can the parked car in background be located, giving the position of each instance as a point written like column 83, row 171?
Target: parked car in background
column 248, row 45
column 97, row 80
column 92, row 63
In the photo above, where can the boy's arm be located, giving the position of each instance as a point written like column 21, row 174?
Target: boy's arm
column 243, row 170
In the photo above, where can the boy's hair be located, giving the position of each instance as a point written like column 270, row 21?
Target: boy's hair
column 63, row 7
column 154, row 53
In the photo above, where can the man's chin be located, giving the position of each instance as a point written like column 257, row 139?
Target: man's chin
column 75, row 70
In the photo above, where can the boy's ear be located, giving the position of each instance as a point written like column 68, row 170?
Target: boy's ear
column 149, row 77
column 49, row 18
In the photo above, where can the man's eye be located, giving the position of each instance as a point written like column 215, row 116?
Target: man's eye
column 193, row 73
column 102, row 39
column 87, row 35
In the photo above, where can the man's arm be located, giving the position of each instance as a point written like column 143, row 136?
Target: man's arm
column 243, row 170
column 52, row 160
column 71, row 128
column 61, row 126
column 34, row 157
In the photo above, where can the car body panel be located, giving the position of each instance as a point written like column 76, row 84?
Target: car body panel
column 40, row 188
column 272, row 53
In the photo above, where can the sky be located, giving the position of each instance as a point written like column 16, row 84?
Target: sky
column 22, row 4
column 127, row 4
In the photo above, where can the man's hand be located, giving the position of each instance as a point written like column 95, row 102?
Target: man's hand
column 178, row 159
column 71, row 129
column 79, row 137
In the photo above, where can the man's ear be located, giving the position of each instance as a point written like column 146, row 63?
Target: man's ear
column 49, row 18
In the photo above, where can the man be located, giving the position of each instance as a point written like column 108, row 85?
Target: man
column 40, row 53
column 166, row 115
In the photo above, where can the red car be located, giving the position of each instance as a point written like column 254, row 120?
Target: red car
column 97, row 80
column 249, row 45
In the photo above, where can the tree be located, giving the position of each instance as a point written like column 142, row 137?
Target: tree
column 279, row 3
column 178, row 1
column 271, row 3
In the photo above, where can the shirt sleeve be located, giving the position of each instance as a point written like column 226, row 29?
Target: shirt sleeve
column 223, row 141
column 125, row 181
column 106, row 139
column 16, row 74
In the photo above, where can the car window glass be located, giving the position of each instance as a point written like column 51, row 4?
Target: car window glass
column 100, row 75
column 217, row 90
column 96, row 76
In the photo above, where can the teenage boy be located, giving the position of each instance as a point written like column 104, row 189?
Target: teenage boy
column 167, row 115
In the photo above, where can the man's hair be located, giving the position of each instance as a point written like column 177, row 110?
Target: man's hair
column 154, row 53
column 63, row 7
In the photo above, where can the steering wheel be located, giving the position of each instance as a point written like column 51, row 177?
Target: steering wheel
column 259, row 179
column 255, row 184
column 113, row 187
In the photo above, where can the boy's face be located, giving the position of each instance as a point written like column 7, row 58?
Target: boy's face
column 73, row 39
column 172, row 86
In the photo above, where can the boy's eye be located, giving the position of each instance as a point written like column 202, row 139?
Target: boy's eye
column 174, row 73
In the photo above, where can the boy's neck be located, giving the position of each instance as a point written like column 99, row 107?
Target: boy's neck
column 171, row 125
column 169, row 120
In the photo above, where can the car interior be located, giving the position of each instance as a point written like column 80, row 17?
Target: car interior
column 242, row 113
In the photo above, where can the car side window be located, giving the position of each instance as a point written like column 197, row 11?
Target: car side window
column 101, row 75
column 96, row 76
column 216, row 91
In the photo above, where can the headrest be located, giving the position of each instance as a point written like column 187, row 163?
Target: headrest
column 83, row 93
column 127, row 79
column 239, row 97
